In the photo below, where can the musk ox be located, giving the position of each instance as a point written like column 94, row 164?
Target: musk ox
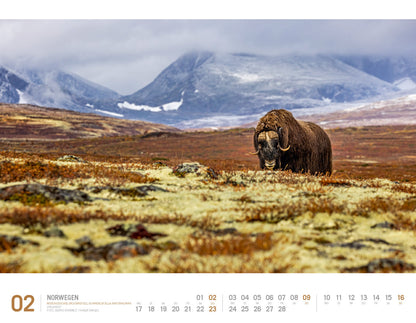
column 282, row 143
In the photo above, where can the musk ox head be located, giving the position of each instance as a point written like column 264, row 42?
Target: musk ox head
column 270, row 145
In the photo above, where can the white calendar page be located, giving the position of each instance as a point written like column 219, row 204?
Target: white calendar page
column 206, row 297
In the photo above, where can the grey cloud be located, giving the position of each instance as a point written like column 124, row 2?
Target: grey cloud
column 125, row 55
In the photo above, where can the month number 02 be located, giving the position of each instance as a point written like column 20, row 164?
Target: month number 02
column 18, row 302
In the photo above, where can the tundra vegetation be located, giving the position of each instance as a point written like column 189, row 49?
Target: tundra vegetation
column 198, row 202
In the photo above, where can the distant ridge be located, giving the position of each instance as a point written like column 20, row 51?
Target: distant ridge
column 23, row 122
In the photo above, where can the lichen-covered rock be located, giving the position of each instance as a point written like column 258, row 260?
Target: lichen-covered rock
column 75, row 270
column 223, row 232
column 138, row 191
column 384, row 225
column 167, row 246
column 39, row 229
column 384, row 265
column 194, row 168
column 133, row 231
column 54, row 232
column 71, row 158
column 42, row 194
column 8, row 242
column 109, row 252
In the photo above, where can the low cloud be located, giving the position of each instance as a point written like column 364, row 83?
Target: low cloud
column 125, row 55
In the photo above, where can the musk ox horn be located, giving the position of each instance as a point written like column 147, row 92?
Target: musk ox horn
column 284, row 149
column 256, row 153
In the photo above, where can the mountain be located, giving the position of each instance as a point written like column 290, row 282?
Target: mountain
column 51, row 88
column 399, row 111
column 10, row 86
column 206, row 88
column 390, row 69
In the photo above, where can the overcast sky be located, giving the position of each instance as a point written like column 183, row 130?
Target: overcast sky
column 126, row 55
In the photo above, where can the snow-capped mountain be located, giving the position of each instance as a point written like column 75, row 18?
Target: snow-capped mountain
column 207, row 89
column 204, row 88
column 52, row 89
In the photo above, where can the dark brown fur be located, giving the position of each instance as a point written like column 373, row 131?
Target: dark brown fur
column 310, row 148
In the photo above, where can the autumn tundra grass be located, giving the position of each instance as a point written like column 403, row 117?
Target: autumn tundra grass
column 198, row 202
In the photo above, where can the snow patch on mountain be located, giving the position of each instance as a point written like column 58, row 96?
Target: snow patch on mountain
column 132, row 106
column 248, row 77
column 23, row 99
column 171, row 106
column 405, row 84
column 113, row 114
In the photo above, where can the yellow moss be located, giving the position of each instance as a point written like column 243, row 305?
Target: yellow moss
column 315, row 224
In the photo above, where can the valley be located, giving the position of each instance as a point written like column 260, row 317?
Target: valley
column 164, row 200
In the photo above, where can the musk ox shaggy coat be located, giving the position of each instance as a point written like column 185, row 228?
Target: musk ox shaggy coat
column 283, row 143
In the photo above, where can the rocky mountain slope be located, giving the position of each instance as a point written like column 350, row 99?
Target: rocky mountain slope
column 390, row 69
column 400, row 111
column 208, row 89
column 222, row 89
column 51, row 88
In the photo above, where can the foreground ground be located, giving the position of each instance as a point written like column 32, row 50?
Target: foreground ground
column 131, row 205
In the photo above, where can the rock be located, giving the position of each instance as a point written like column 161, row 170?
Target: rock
column 150, row 188
column 384, row 265
column 223, row 232
column 85, row 242
column 34, row 228
column 120, row 249
column 108, row 252
column 130, row 192
column 71, row 158
column 353, row 245
column 167, row 246
column 138, row 191
column 133, row 231
column 76, row 270
column 186, row 168
column 10, row 242
column 41, row 194
column 37, row 228
column 194, row 168
column 384, row 225
column 54, row 232
column 358, row 244
column 159, row 164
